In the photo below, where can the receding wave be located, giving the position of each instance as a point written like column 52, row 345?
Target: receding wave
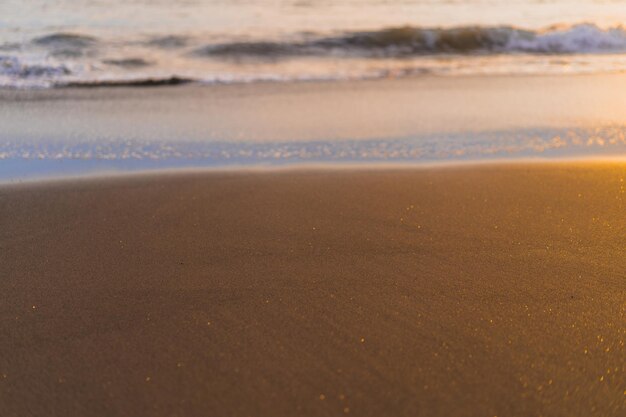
column 411, row 41
column 142, row 82
column 606, row 140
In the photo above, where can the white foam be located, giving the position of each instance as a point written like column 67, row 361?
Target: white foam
column 582, row 38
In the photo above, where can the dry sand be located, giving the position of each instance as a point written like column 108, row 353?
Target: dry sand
column 467, row 291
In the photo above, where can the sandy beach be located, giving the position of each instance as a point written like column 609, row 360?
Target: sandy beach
column 312, row 208
column 494, row 290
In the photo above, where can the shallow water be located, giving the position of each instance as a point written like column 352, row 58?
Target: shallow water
column 35, row 161
column 424, row 120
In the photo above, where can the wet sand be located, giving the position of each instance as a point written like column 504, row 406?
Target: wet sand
column 465, row 291
column 313, row 111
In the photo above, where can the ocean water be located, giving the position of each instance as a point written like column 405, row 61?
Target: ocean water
column 502, row 79
column 51, row 43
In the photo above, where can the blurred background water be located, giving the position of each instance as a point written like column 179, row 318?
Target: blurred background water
column 47, row 43
column 430, row 113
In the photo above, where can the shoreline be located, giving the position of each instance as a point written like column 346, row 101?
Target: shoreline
column 12, row 93
column 177, row 81
column 356, row 167
column 422, row 120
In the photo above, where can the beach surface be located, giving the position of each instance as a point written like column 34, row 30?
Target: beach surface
column 494, row 290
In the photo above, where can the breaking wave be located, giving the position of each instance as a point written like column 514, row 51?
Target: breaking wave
column 410, row 41
column 65, row 40
column 63, row 59
column 11, row 66
column 66, row 45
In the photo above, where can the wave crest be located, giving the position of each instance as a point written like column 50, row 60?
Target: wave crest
column 411, row 41
column 65, row 40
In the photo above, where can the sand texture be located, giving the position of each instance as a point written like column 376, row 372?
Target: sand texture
column 467, row 291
